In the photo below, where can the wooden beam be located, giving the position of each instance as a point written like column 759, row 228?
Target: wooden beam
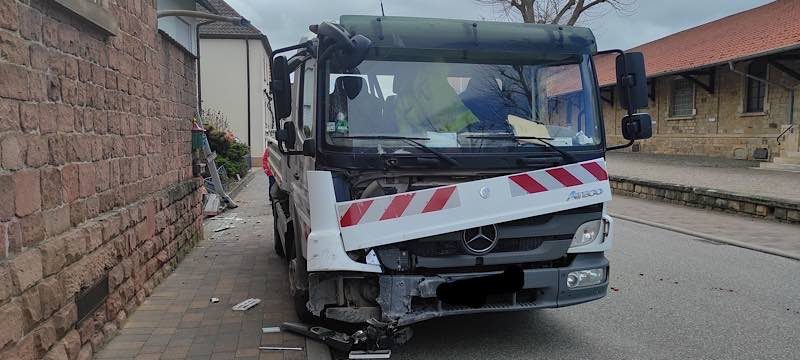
column 785, row 69
column 610, row 99
column 707, row 87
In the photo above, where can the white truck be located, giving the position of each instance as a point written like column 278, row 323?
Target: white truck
column 431, row 167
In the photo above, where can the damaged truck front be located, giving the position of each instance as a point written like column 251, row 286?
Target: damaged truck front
column 430, row 167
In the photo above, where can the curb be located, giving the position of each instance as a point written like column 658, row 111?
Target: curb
column 741, row 204
column 241, row 185
column 705, row 236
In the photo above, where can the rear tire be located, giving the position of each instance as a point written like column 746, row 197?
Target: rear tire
column 278, row 246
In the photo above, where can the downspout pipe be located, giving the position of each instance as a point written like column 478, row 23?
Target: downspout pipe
column 765, row 81
column 249, row 123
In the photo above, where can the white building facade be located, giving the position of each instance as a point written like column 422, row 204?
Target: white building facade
column 234, row 79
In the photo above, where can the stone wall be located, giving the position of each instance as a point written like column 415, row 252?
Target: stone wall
column 712, row 199
column 719, row 128
column 95, row 178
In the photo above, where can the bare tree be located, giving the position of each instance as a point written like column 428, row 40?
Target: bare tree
column 565, row 12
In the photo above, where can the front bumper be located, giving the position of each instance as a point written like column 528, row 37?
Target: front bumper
column 407, row 299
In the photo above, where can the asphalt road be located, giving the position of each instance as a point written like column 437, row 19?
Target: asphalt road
column 677, row 297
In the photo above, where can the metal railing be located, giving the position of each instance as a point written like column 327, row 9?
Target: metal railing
column 784, row 133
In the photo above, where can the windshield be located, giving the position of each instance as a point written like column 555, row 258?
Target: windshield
column 461, row 107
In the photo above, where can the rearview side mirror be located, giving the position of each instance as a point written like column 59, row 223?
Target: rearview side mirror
column 632, row 81
column 351, row 50
column 637, row 127
column 281, row 87
column 287, row 137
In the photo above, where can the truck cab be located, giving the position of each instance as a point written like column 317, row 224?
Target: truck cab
column 434, row 167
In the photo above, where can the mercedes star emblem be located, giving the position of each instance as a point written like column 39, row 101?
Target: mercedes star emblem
column 480, row 240
column 485, row 192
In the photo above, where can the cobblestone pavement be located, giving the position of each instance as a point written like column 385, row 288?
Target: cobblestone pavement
column 724, row 174
column 735, row 227
column 178, row 321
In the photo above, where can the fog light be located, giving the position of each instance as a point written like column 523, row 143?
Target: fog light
column 583, row 278
column 587, row 233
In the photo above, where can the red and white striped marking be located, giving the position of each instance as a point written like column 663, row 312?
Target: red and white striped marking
column 392, row 207
column 558, row 177
column 383, row 208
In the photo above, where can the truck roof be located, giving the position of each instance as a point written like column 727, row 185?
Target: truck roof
column 431, row 33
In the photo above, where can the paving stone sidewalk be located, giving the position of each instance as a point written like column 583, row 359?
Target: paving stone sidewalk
column 179, row 322
column 748, row 230
column 737, row 176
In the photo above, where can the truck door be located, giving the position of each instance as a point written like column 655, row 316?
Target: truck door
column 305, row 78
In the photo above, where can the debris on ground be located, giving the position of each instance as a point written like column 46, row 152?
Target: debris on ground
column 224, row 228
column 336, row 340
column 246, row 304
column 614, row 289
column 722, row 289
column 270, row 330
column 214, row 300
column 212, row 205
column 376, row 354
column 230, row 218
column 279, row 348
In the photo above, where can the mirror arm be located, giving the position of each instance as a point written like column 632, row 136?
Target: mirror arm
column 308, row 45
column 282, row 149
column 617, row 147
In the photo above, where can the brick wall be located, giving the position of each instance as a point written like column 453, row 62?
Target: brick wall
column 95, row 172
column 719, row 127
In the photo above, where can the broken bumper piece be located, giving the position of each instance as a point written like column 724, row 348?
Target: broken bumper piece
column 407, row 299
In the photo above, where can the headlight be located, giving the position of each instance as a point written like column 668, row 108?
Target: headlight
column 587, row 233
column 583, row 278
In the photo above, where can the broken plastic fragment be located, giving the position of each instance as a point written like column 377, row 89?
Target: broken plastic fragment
column 246, row 304
column 372, row 258
column 279, row 348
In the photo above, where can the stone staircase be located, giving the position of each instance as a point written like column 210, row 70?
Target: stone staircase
column 789, row 158
column 789, row 161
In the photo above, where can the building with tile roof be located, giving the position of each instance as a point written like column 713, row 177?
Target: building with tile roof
column 234, row 78
column 723, row 88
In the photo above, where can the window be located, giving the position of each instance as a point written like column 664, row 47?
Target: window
column 94, row 11
column 460, row 106
column 681, row 99
column 296, row 92
column 307, row 113
column 755, row 90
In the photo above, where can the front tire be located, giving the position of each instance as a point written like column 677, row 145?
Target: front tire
column 294, row 253
column 300, row 299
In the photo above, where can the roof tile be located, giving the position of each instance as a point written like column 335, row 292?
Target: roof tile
column 227, row 29
column 749, row 33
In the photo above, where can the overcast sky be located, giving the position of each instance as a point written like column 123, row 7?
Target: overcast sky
column 284, row 21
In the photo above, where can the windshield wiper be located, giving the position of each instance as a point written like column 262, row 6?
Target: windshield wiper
column 411, row 140
column 544, row 140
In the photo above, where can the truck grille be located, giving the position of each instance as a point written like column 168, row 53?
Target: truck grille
column 453, row 246
column 529, row 240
